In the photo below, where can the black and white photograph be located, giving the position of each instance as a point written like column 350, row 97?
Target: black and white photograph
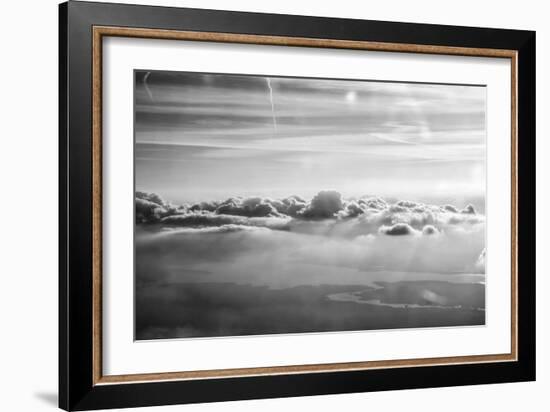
column 275, row 206
column 269, row 205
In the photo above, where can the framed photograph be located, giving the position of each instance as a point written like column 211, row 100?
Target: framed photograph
column 257, row 205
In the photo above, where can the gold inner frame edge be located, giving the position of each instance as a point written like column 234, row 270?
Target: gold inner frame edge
column 98, row 32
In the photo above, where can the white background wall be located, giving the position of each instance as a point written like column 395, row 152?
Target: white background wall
column 28, row 203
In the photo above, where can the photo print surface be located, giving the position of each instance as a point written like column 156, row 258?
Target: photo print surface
column 278, row 205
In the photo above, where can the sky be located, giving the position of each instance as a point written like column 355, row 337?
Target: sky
column 213, row 136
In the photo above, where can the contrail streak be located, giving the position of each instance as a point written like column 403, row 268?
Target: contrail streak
column 147, row 86
column 272, row 104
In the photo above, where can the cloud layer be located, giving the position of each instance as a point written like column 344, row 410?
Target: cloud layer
column 327, row 213
column 294, row 236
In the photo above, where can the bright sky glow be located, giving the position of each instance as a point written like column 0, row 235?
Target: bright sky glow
column 209, row 136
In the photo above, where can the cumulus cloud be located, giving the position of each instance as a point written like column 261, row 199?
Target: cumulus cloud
column 147, row 211
column 429, row 230
column 150, row 197
column 407, row 204
column 151, row 208
column 399, row 229
column 324, row 205
column 450, row 208
column 469, row 210
column 352, row 209
column 326, row 214
column 291, row 206
column 250, row 207
column 373, row 203
column 206, row 206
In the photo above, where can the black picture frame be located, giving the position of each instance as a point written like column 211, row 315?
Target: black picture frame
column 77, row 389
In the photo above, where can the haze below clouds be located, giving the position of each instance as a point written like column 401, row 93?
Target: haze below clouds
column 204, row 136
column 249, row 266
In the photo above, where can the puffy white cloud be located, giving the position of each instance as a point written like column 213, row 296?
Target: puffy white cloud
column 399, row 229
column 151, row 208
column 291, row 206
column 407, row 204
column 326, row 214
column 373, row 203
column 147, row 211
column 324, row 205
column 150, row 197
column 253, row 206
column 450, row 208
column 469, row 209
column 207, row 206
column 352, row 209
column 430, row 230
column 250, row 207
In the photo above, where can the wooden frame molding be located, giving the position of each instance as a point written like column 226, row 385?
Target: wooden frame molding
column 101, row 31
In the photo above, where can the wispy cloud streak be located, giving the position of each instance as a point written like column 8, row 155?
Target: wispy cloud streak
column 268, row 80
column 267, row 133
